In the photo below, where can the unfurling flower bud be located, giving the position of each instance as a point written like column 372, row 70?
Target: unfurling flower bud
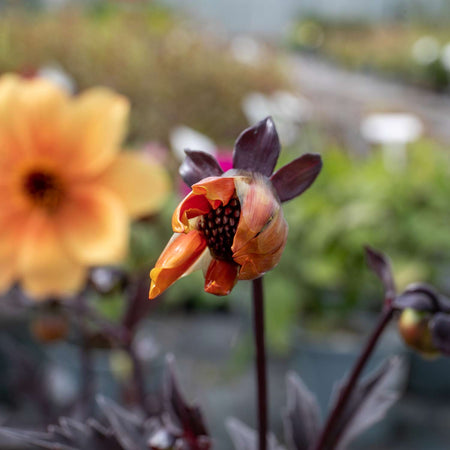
column 415, row 330
column 234, row 224
column 231, row 224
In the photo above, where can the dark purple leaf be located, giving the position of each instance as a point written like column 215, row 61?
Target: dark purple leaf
column 138, row 305
column 368, row 404
column 199, row 165
column 301, row 418
column 67, row 435
column 440, row 332
column 297, row 176
column 245, row 438
column 126, row 426
column 188, row 417
column 257, row 148
column 380, row 264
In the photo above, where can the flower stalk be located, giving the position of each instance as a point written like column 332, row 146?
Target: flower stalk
column 322, row 442
column 261, row 379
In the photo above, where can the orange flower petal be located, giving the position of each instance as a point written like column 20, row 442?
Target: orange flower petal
column 217, row 190
column 93, row 226
column 141, row 184
column 264, row 251
column 46, row 268
column 258, row 207
column 13, row 225
column 180, row 254
column 30, row 111
column 208, row 193
column 192, row 206
column 93, row 128
column 221, row 277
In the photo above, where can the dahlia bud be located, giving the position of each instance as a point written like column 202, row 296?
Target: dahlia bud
column 414, row 328
column 234, row 223
column 231, row 224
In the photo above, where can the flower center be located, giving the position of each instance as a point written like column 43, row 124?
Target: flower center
column 219, row 227
column 44, row 189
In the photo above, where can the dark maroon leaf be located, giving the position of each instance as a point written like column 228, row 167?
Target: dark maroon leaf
column 138, row 305
column 245, row 438
column 67, row 435
column 257, row 148
column 188, row 417
column 297, row 176
column 380, row 264
column 126, row 426
column 199, row 165
column 440, row 332
column 301, row 418
column 368, row 404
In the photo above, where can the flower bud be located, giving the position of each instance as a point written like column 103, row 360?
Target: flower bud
column 414, row 328
column 233, row 225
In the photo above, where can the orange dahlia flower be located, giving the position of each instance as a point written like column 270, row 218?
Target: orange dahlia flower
column 232, row 223
column 66, row 193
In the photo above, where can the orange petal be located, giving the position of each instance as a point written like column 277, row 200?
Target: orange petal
column 11, row 231
column 30, row 111
column 192, row 206
column 263, row 252
column 221, row 277
column 208, row 193
column 258, row 208
column 141, row 184
column 217, row 190
column 181, row 253
column 94, row 226
column 93, row 128
column 46, row 269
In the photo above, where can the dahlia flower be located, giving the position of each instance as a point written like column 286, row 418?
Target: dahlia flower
column 232, row 223
column 67, row 193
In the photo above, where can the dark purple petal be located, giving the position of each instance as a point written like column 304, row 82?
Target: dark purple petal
column 199, row 165
column 440, row 332
column 295, row 177
column 414, row 300
column 301, row 418
column 380, row 264
column 440, row 302
column 257, row 148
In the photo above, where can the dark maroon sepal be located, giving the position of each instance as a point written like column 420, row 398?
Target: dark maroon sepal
column 440, row 332
column 421, row 297
column 380, row 264
column 257, row 148
column 297, row 176
column 199, row 165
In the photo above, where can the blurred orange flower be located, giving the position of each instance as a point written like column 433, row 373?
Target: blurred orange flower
column 66, row 192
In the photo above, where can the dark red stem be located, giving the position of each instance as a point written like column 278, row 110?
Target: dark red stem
column 258, row 326
column 322, row 443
